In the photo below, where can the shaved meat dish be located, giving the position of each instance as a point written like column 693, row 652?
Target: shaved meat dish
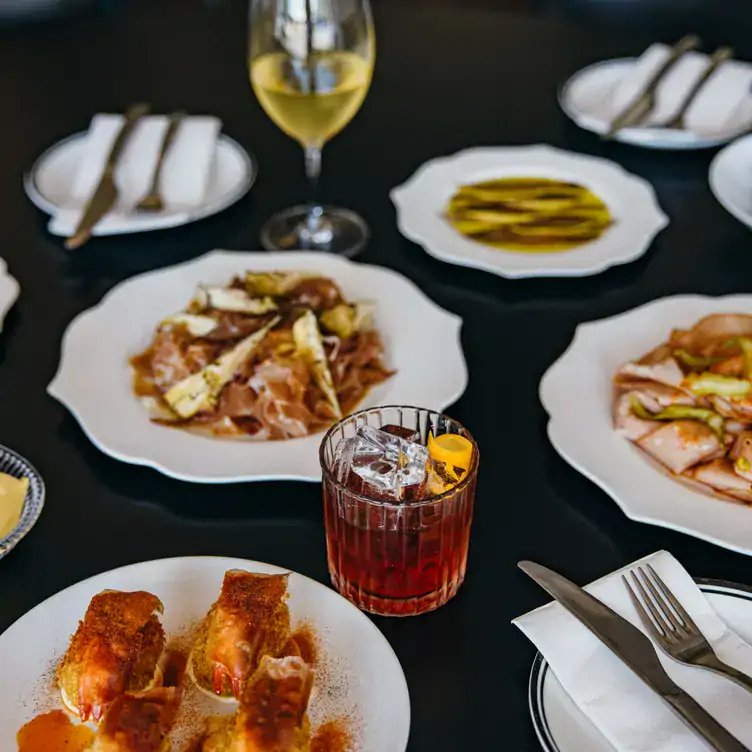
column 274, row 355
column 688, row 404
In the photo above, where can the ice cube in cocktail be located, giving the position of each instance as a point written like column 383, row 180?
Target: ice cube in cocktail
column 385, row 463
column 408, row 434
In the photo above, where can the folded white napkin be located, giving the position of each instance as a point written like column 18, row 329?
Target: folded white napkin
column 625, row 710
column 710, row 114
column 185, row 174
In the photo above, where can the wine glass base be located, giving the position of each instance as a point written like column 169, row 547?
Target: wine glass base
column 338, row 231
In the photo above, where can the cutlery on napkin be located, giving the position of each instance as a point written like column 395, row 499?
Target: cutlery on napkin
column 711, row 110
column 153, row 200
column 105, row 195
column 184, row 177
column 639, row 108
column 627, row 712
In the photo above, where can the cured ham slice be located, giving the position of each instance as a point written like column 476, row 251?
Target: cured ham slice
column 681, row 444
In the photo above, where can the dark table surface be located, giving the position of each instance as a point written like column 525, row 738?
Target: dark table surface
column 445, row 80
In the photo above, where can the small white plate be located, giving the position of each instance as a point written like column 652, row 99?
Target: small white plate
column 582, row 94
column 49, row 183
column 576, row 391
column 421, row 340
column 421, row 204
column 359, row 675
column 731, row 179
column 9, row 290
column 562, row 727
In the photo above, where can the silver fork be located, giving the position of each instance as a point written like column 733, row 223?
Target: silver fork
column 153, row 202
column 720, row 56
column 672, row 627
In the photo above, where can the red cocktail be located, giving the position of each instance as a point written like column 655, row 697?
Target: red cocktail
column 399, row 488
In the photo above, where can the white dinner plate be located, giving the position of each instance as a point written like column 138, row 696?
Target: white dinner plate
column 576, row 391
column 9, row 290
column 422, row 201
column 562, row 727
column 731, row 179
column 421, row 341
column 49, row 183
column 580, row 98
column 357, row 675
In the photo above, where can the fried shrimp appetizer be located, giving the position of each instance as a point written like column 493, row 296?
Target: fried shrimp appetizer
column 115, row 649
column 272, row 716
column 249, row 620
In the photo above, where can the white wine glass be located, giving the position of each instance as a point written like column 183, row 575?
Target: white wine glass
column 311, row 64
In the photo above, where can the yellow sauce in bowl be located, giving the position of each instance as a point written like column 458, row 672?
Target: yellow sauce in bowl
column 529, row 214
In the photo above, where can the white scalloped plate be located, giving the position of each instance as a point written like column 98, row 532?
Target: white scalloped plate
column 422, row 341
column 422, row 200
column 9, row 290
column 359, row 675
column 576, row 391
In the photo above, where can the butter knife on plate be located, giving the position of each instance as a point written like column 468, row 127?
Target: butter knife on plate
column 105, row 195
column 635, row 650
column 636, row 112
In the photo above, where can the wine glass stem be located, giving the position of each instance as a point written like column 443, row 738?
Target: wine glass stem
column 315, row 230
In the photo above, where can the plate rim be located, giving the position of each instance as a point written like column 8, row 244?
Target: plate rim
column 540, row 668
column 721, row 156
column 697, row 144
column 249, row 160
column 371, row 626
column 13, row 289
column 654, row 215
column 451, row 319
column 591, row 471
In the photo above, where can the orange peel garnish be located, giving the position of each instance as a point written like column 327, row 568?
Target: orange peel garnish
column 451, row 449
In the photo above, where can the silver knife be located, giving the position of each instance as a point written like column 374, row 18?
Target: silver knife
column 632, row 647
column 106, row 193
column 636, row 112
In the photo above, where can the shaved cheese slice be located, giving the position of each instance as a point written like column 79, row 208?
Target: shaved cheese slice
column 201, row 390
column 234, row 300
column 198, row 326
column 310, row 347
column 274, row 283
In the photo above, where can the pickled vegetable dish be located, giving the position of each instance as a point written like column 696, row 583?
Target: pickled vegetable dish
column 529, row 214
column 688, row 404
column 270, row 356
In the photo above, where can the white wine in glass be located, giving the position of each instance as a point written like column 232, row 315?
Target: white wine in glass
column 311, row 63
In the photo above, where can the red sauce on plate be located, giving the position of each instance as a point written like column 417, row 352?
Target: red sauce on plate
column 53, row 732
